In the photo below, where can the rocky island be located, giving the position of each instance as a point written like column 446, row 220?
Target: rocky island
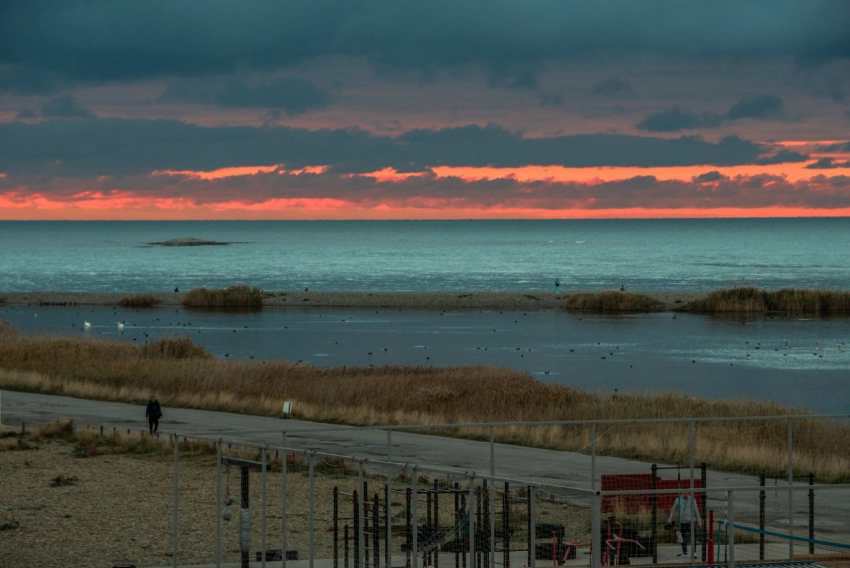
column 188, row 242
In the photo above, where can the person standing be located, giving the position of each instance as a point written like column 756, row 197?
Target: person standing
column 688, row 512
column 153, row 412
column 557, row 287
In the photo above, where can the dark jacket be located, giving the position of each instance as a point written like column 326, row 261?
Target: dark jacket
column 153, row 410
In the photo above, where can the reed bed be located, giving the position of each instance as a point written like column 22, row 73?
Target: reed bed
column 139, row 301
column 185, row 376
column 754, row 300
column 612, row 301
column 239, row 296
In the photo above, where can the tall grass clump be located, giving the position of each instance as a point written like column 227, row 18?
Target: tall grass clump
column 139, row 301
column 183, row 376
column 611, row 301
column 239, row 296
column 754, row 300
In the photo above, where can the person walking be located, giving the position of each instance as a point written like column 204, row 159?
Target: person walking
column 686, row 508
column 153, row 412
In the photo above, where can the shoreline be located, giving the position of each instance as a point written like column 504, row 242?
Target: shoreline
column 531, row 299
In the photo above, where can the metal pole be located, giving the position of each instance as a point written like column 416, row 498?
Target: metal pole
column 693, row 531
column 414, row 505
column 593, row 456
column 389, row 445
column 730, row 527
column 176, row 500
column 762, row 498
column 596, row 531
column 471, row 510
column 283, row 468
column 361, row 513
column 811, row 515
column 653, row 517
column 389, row 517
column 490, row 497
column 263, row 509
column 218, row 504
column 310, row 515
column 791, row 493
column 532, row 528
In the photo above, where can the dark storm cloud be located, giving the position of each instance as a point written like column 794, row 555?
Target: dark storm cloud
column 709, row 177
column 837, row 147
column 612, row 86
column 26, row 113
column 122, row 147
column 27, row 81
column 64, row 106
column 782, row 157
column 761, row 106
column 828, row 164
column 291, row 95
column 102, row 40
column 675, row 119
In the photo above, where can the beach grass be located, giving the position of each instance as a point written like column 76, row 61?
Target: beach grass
column 183, row 375
column 139, row 301
column 754, row 300
column 239, row 296
column 612, row 301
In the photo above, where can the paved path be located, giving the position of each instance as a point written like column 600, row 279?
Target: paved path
column 546, row 466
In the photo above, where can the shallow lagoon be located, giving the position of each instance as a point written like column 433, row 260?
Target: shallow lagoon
column 701, row 355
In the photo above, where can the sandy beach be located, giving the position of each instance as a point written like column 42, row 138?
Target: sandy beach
column 534, row 299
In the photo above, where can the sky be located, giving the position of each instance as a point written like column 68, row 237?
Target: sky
column 424, row 110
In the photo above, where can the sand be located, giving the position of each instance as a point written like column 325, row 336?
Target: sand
column 527, row 300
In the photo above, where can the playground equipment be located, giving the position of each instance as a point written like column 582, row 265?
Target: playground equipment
column 445, row 528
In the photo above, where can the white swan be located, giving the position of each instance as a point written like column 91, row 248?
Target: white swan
column 121, row 325
column 86, row 324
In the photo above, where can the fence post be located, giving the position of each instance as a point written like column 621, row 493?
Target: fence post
column 471, row 510
column 263, row 509
column 283, row 468
column 361, row 489
column 490, row 497
column 176, row 500
column 389, row 516
column 532, row 527
column 593, row 456
column 596, row 531
column 654, row 515
column 811, row 514
column 218, row 504
column 311, row 512
column 414, row 506
column 790, row 493
column 694, row 500
column 730, row 527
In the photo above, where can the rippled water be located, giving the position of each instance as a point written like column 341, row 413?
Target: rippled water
column 428, row 255
column 700, row 355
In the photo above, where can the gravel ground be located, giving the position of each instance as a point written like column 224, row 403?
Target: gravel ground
column 457, row 299
column 120, row 509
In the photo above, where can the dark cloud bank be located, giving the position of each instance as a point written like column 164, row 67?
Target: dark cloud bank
column 93, row 146
column 675, row 119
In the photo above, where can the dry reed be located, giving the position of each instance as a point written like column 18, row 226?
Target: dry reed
column 754, row 300
column 139, row 301
column 612, row 301
column 231, row 297
column 183, row 376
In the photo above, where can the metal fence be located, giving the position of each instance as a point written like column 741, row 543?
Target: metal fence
column 278, row 505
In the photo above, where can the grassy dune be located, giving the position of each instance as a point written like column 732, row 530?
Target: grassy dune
column 181, row 374
column 139, row 301
column 753, row 300
column 231, row 297
column 612, row 301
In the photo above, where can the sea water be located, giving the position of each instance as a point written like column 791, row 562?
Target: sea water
column 428, row 255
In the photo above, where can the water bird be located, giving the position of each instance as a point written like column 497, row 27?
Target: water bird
column 86, row 324
column 121, row 325
column 841, row 349
column 818, row 347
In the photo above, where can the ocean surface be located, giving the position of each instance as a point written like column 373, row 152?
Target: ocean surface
column 428, row 255
column 692, row 354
